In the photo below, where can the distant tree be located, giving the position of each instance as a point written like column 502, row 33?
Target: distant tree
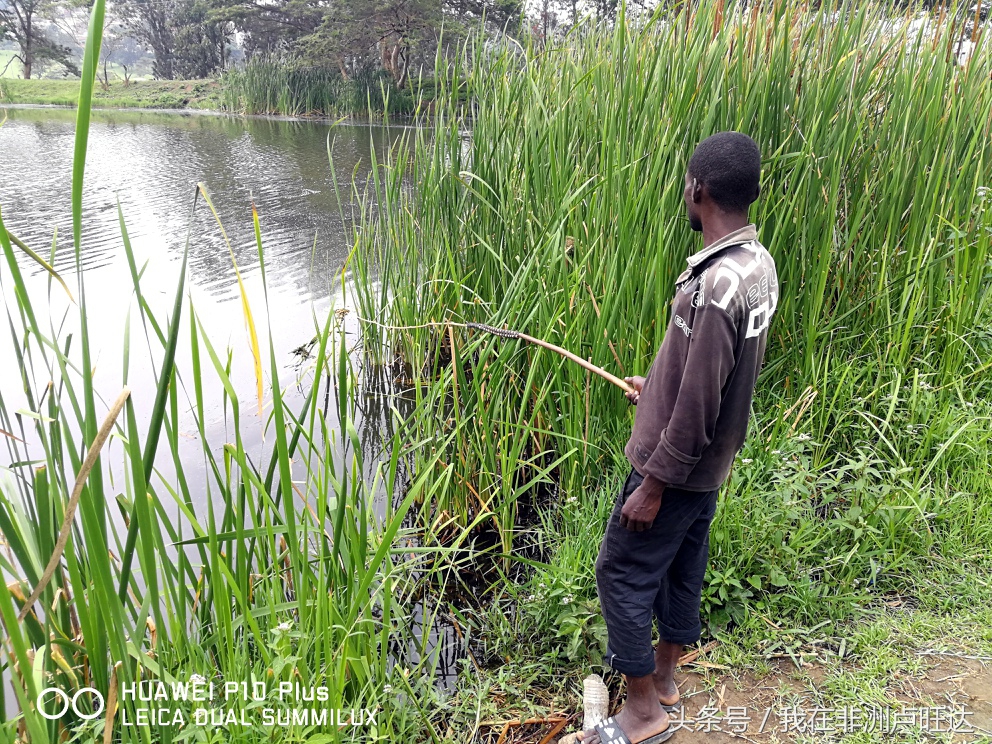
column 113, row 36
column 130, row 54
column 395, row 29
column 356, row 35
column 398, row 32
column 118, row 45
column 546, row 19
column 186, row 36
column 606, row 10
column 270, row 27
column 151, row 21
column 202, row 40
column 27, row 22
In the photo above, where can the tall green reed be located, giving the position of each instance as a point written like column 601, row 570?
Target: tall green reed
column 552, row 203
column 216, row 579
column 290, row 88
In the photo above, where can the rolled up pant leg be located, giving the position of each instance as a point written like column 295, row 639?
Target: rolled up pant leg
column 632, row 567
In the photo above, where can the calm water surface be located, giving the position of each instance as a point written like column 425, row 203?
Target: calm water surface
column 147, row 165
column 150, row 164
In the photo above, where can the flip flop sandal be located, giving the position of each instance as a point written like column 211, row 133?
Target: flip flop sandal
column 610, row 733
column 674, row 708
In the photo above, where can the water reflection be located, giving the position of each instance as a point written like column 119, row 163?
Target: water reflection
column 151, row 162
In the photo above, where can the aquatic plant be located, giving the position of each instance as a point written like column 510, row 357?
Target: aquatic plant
column 289, row 88
column 123, row 565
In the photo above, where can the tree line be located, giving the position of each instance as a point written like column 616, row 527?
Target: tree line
column 188, row 39
column 199, row 38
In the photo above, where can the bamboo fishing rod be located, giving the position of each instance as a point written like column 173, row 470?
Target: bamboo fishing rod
column 509, row 333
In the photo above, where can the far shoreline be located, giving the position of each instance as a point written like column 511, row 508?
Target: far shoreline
column 345, row 119
column 182, row 97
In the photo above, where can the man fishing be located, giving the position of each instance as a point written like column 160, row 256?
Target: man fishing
column 692, row 417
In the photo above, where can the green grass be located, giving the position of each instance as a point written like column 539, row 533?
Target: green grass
column 544, row 634
column 164, row 94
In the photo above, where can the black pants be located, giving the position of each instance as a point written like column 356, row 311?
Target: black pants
column 656, row 572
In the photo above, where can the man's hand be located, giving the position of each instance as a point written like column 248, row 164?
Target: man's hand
column 642, row 505
column 637, row 383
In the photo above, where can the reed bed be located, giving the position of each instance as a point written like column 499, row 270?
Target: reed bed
column 269, row 576
column 289, row 88
column 559, row 213
column 272, row 575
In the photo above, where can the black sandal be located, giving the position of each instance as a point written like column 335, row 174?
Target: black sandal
column 610, row 733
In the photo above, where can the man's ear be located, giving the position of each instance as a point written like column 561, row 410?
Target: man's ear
column 697, row 191
column 757, row 192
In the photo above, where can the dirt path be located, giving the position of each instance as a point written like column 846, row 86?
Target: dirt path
column 953, row 695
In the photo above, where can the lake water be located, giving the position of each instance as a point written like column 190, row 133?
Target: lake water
column 149, row 163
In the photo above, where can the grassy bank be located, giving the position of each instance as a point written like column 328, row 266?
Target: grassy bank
column 259, row 88
column 164, row 94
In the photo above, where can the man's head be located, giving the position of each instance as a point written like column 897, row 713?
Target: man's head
column 722, row 176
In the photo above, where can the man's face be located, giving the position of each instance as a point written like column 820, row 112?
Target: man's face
column 691, row 207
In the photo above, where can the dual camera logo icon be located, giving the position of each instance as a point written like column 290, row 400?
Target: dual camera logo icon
column 96, row 697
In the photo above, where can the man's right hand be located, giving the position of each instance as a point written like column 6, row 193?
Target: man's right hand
column 641, row 507
column 637, row 383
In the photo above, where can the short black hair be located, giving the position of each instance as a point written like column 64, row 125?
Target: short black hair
column 729, row 165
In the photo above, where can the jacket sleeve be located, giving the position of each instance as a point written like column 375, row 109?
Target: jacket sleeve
column 692, row 426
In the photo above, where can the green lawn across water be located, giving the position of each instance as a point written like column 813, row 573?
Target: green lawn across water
column 164, row 94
